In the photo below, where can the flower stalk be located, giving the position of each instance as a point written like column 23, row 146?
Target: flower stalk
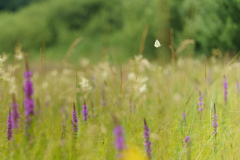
column 15, row 113
column 147, row 140
column 214, row 123
column 9, row 126
column 74, row 120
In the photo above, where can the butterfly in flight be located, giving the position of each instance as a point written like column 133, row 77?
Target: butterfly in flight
column 157, row 44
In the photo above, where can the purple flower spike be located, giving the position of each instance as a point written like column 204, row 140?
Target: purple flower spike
column 9, row 126
column 225, row 86
column 147, row 141
column 200, row 103
column 85, row 111
column 119, row 138
column 74, row 120
column 15, row 113
column 214, row 123
column 184, row 116
column 28, row 102
column 187, row 139
column 28, row 90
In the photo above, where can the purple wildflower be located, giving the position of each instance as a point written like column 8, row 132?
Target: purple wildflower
column 187, row 139
column 28, row 90
column 237, row 87
column 29, row 102
column 200, row 103
column 15, row 113
column 9, row 126
column 85, row 111
column 119, row 138
column 74, row 119
column 147, row 141
column 225, row 86
column 214, row 123
column 184, row 116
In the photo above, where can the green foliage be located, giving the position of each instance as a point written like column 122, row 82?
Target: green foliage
column 212, row 24
column 118, row 26
column 49, row 21
column 13, row 5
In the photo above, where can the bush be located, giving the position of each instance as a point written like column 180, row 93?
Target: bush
column 56, row 21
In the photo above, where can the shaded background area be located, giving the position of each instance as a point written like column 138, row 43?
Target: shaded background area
column 113, row 29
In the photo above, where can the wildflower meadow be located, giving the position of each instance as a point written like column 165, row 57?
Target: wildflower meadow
column 139, row 110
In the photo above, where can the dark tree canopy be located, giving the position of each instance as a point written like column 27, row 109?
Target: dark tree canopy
column 13, row 5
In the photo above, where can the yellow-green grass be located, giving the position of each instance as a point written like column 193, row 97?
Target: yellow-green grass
column 170, row 90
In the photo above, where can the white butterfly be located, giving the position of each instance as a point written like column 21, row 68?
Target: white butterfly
column 157, row 44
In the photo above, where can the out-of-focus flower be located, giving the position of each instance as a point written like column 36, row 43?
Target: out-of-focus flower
column 214, row 123
column 3, row 57
column 184, row 116
column 85, row 111
column 142, row 63
column 119, row 138
column 9, row 126
column 143, row 89
column 147, row 141
column 15, row 113
column 102, row 70
column 131, row 76
column 18, row 52
column 74, row 120
column 200, row 103
column 19, row 56
column 85, row 86
column 29, row 101
column 138, row 58
column 132, row 153
column 139, row 83
column 187, row 139
column 12, row 86
column 28, row 90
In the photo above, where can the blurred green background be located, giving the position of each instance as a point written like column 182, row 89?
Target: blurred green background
column 114, row 28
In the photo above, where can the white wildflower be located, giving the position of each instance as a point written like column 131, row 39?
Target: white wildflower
column 131, row 76
column 85, row 84
column 18, row 52
column 138, row 58
column 143, row 89
column 3, row 57
column 19, row 56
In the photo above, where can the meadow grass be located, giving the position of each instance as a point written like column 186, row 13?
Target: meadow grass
column 133, row 91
